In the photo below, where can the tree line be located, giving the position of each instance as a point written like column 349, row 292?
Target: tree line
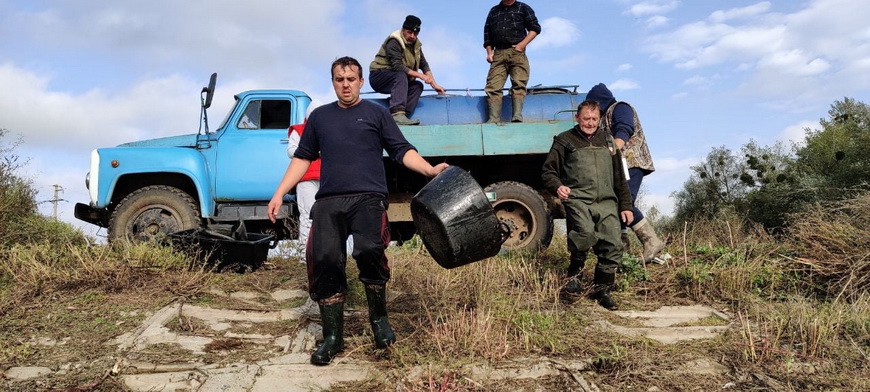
column 768, row 184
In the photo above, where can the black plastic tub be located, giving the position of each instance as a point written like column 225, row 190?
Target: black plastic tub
column 222, row 253
column 456, row 220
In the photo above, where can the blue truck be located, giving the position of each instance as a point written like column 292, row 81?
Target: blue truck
column 148, row 189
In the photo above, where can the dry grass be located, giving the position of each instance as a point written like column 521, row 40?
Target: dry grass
column 785, row 336
column 489, row 310
column 33, row 270
column 833, row 243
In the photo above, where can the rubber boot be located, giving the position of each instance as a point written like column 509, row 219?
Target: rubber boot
column 626, row 242
column 494, row 110
column 332, row 317
column 403, row 119
column 652, row 245
column 575, row 269
column 376, row 296
column 603, row 283
column 518, row 101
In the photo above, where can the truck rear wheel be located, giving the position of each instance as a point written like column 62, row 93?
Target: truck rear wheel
column 525, row 213
column 151, row 213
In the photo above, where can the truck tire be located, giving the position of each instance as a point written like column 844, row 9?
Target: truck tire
column 151, row 213
column 525, row 213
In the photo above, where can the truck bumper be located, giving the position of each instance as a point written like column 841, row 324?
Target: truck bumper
column 99, row 217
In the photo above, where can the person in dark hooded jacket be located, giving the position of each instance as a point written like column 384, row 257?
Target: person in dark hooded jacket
column 621, row 120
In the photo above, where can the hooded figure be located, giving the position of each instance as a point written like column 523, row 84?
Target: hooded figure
column 621, row 120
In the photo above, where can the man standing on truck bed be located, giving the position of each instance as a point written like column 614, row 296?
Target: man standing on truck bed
column 622, row 123
column 395, row 69
column 350, row 136
column 509, row 28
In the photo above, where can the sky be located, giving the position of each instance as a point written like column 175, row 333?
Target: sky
column 79, row 75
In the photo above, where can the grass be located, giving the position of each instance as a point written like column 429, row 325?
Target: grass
column 800, row 307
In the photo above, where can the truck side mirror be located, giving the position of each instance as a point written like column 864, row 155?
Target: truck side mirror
column 209, row 91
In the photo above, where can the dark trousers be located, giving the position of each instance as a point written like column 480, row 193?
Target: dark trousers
column 404, row 94
column 634, row 182
column 333, row 219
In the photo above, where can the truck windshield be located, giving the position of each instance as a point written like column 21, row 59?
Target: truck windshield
column 227, row 116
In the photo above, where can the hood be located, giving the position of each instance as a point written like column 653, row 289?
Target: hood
column 601, row 94
column 171, row 141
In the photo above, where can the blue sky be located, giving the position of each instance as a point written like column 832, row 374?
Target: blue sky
column 79, row 75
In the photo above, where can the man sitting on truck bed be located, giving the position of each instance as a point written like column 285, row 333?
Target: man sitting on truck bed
column 350, row 135
column 394, row 71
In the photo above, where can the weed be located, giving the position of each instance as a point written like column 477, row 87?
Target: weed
column 610, row 362
column 633, row 271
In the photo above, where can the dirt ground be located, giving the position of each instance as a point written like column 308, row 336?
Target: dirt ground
column 255, row 332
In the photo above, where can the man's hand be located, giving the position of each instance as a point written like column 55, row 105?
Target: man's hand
column 520, row 47
column 619, row 143
column 274, row 206
column 437, row 87
column 437, row 169
column 563, row 192
column 627, row 216
column 489, row 53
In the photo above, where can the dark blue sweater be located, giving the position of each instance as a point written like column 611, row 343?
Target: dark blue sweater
column 351, row 142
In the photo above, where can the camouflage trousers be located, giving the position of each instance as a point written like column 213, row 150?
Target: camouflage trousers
column 507, row 62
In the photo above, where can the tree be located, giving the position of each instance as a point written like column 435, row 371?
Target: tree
column 715, row 184
column 839, row 154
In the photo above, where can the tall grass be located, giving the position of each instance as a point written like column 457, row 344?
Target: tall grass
column 32, row 269
column 833, row 246
column 805, row 330
column 488, row 310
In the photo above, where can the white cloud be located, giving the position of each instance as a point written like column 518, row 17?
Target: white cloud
column 151, row 108
column 623, row 85
column 794, row 134
column 657, row 21
column 623, row 67
column 739, row 13
column 696, row 80
column 669, row 176
column 560, row 32
column 664, row 203
column 653, row 7
column 795, row 62
column 779, row 54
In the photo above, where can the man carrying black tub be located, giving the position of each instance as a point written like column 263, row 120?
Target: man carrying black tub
column 349, row 135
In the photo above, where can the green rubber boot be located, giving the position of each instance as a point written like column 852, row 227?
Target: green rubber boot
column 376, row 296
column 494, row 110
column 604, row 282
column 518, row 101
column 333, row 333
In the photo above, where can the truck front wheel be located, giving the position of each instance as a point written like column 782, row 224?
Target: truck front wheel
column 151, row 213
column 524, row 212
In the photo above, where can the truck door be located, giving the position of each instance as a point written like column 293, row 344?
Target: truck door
column 252, row 152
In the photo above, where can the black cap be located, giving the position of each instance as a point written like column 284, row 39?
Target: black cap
column 412, row 23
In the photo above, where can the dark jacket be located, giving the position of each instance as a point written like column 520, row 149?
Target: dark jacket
column 557, row 170
column 507, row 26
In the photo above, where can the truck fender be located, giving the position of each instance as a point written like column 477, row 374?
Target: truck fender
column 116, row 163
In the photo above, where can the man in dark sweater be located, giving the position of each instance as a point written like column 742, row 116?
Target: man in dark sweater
column 396, row 68
column 585, row 171
column 350, row 136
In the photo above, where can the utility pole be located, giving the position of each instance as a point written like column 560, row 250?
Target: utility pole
column 57, row 190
